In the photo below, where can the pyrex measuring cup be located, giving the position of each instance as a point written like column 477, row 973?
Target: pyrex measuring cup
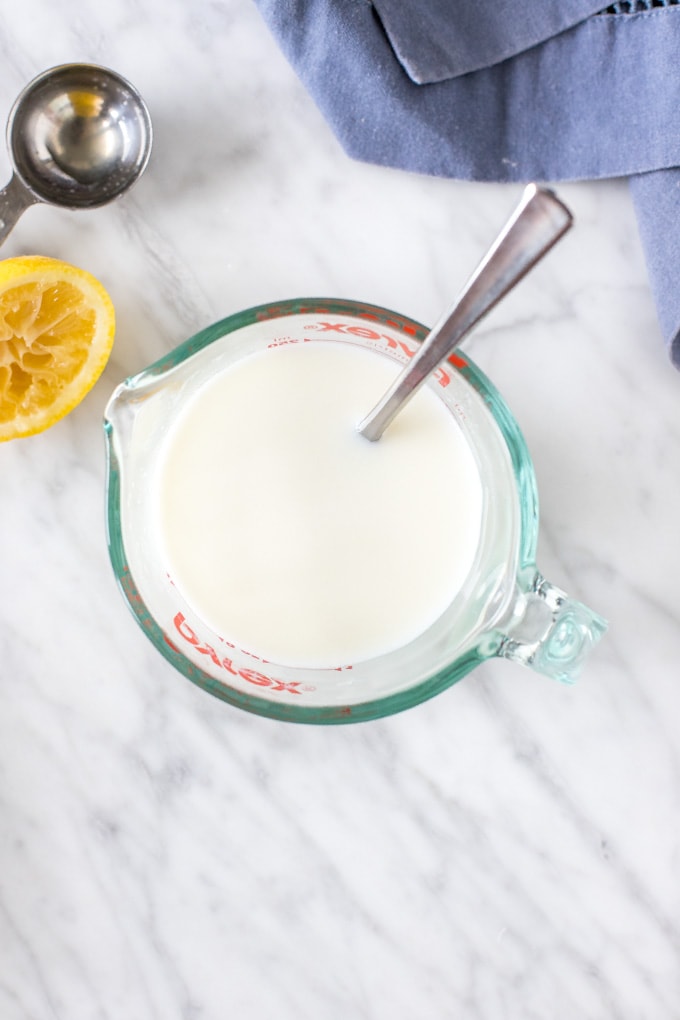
column 504, row 609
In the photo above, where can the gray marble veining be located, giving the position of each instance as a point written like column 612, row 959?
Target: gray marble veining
column 506, row 851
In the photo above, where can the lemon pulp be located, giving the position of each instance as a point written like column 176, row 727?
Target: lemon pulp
column 56, row 332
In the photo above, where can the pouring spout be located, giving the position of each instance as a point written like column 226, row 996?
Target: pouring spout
column 550, row 632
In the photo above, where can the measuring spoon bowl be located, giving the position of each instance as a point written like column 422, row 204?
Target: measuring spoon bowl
column 79, row 135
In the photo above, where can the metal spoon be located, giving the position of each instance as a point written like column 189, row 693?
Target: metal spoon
column 538, row 222
column 78, row 136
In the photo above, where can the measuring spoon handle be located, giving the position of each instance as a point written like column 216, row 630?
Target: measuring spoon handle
column 537, row 223
column 14, row 199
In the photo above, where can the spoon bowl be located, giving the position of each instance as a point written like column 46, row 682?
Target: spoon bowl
column 79, row 135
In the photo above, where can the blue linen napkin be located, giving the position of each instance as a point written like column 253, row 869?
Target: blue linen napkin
column 506, row 90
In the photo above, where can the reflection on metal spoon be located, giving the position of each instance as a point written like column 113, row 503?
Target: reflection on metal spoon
column 79, row 135
column 538, row 222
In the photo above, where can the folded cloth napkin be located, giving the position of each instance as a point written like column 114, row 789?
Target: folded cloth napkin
column 506, row 90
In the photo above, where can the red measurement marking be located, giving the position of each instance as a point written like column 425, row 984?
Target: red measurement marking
column 456, row 360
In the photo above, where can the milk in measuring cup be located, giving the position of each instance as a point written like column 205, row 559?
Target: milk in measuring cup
column 291, row 535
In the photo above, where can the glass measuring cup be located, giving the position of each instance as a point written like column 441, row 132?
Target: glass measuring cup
column 505, row 607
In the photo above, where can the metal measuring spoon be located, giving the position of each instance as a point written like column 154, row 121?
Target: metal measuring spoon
column 78, row 136
column 538, row 222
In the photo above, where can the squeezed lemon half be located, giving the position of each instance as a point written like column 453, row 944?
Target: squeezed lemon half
column 57, row 325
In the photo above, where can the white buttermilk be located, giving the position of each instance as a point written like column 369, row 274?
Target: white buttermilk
column 296, row 538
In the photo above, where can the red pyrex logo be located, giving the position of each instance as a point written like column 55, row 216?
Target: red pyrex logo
column 251, row 676
column 441, row 375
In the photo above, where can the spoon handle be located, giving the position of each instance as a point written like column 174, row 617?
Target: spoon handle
column 14, row 199
column 537, row 223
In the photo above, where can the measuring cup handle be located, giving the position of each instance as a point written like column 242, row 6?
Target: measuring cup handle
column 550, row 632
column 14, row 199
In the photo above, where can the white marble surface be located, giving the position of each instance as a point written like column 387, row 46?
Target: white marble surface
column 507, row 851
